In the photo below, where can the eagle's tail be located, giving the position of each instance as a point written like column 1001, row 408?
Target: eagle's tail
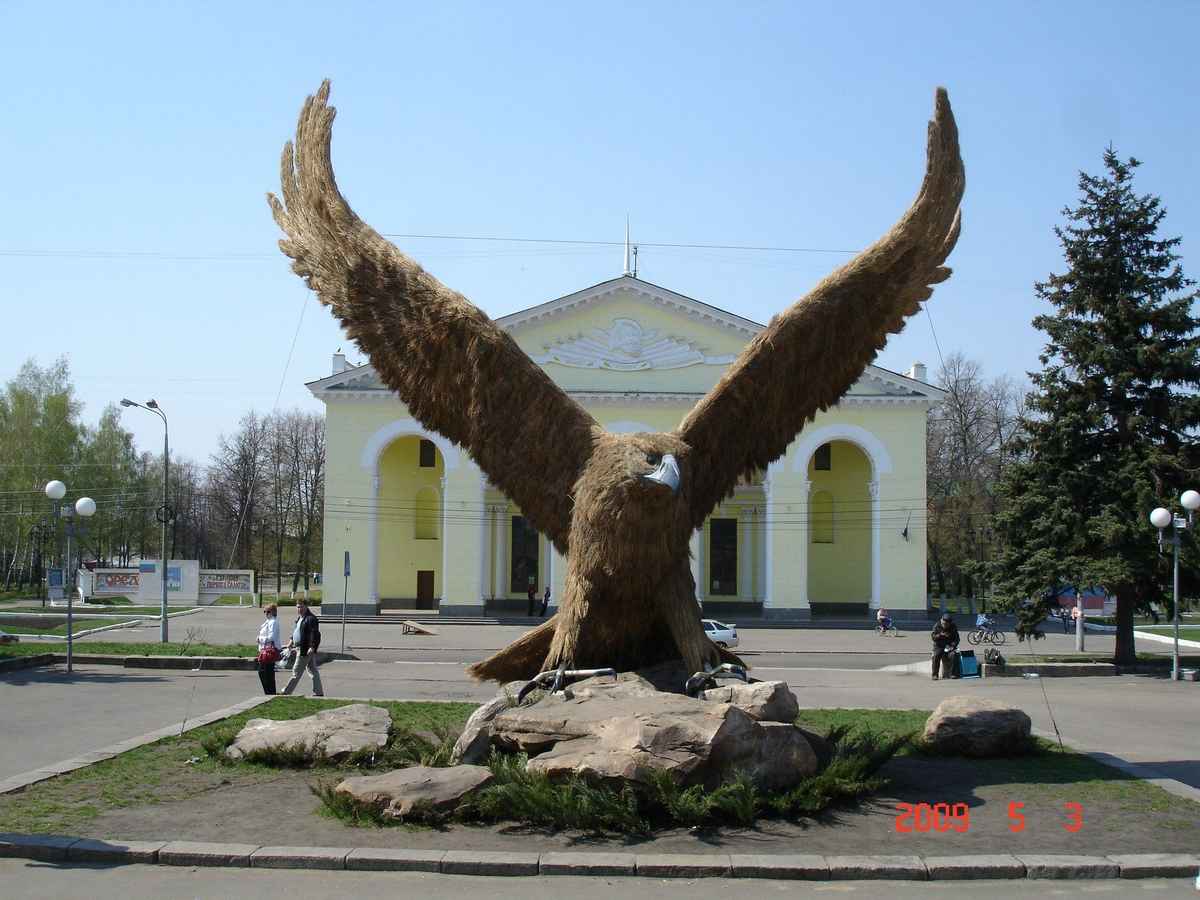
column 519, row 661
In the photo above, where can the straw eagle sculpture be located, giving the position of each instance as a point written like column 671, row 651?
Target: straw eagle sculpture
column 620, row 507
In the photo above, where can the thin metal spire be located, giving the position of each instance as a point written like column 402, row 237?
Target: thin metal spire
column 625, row 269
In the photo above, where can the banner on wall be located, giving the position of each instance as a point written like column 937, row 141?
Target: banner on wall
column 226, row 581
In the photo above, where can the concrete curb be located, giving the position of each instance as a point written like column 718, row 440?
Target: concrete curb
column 61, row 848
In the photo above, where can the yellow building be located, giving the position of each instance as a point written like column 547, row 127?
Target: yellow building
column 835, row 527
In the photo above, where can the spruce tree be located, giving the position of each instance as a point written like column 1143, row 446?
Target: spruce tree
column 1114, row 411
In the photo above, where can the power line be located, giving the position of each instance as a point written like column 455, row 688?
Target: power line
column 173, row 255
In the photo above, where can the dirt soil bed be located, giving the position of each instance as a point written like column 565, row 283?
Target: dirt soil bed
column 279, row 808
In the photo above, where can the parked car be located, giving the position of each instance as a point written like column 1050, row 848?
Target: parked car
column 6, row 638
column 724, row 636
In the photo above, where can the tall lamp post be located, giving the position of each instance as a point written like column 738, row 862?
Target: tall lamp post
column 1160, row 519
column 164, row 512
column 85, row 507
column 255, row 528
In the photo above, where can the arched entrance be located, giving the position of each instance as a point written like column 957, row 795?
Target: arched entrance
column 840, row 530
column 410, row 531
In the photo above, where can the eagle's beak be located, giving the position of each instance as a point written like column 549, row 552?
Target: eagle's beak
column 667, row 473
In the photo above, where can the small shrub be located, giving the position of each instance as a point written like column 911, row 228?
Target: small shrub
column 216, row 742
column 347, row 809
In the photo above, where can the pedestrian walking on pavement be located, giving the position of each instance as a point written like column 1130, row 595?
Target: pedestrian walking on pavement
column 546, row 600
column 268, row 649
column 306, row 638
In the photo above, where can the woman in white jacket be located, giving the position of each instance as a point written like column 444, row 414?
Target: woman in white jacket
column 268, row 636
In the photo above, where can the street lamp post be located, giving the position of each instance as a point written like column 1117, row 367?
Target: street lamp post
column 1160, row 518
column 85, row 507
column 164, row 512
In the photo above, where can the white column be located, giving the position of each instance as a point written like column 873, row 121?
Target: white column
column 485, row 530
column 760, row 553
column 787, row 542
column 697, row 542
column 498, row 551
column 745, row 552
column 558, row 573
column 373, row 558
column 873, row 487
column 502, row 532
column 767, row 521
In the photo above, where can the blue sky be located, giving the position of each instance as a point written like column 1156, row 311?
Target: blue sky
column 141, row 140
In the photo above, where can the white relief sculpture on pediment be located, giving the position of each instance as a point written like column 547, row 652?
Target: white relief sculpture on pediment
column 628, row 347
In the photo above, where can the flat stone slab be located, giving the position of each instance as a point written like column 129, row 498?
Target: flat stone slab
column 581, row 863
column 1157, row 865
column 683, row 865
column 965, row 868
column 398, row 792
column 202, row 853
column 1070, row 867
column 90, row 850
column 299, row 858
column 333, row 732
column 482, row 862
column 785, row 866
column 372, row 859
column 861, row 868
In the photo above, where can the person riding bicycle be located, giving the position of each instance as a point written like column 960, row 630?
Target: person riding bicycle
column 884, row 620
column 986, row 622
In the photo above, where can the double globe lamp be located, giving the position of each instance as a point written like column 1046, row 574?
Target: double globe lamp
column 1160, row 519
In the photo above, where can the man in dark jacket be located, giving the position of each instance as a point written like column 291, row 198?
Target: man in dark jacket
column 945, row 643
column 306, row 638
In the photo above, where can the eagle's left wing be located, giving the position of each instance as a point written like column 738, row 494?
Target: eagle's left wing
column 814, row 351
column 456, row 370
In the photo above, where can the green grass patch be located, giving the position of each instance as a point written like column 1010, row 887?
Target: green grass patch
column 180, row 767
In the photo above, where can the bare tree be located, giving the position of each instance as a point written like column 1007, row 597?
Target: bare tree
column 235, row 486
column 967, row 436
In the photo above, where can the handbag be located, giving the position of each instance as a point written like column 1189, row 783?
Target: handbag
column 269, row 655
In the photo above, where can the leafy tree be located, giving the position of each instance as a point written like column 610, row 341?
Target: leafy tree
column 39, row 441
column 1114, row 410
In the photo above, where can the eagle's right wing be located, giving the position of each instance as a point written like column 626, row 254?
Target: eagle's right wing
column 456, row 370
column 814, row 351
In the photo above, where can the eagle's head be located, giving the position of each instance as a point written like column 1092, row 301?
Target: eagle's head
column 630, row 501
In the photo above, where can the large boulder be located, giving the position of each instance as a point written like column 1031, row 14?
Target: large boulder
column 608, row 731
column 333, row 733
column 475, row 742
column 977, row 727
column 767, row 701
column 395, row 793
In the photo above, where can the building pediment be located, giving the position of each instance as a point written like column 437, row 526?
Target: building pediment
column 602, row 345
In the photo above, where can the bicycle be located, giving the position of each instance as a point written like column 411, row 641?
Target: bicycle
column 986, row 636
column 889, row 630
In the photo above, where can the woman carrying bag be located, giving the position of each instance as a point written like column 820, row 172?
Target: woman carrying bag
column 268, row 649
